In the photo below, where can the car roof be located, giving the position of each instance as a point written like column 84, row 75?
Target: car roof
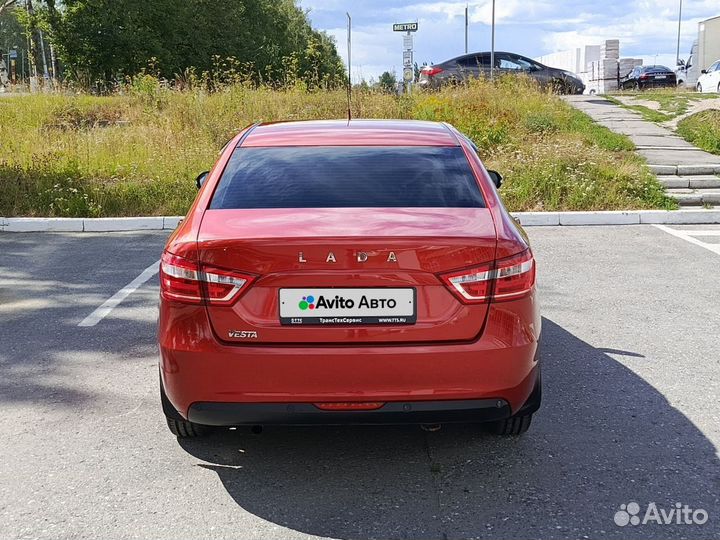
column 352, row 133
column 479, row 53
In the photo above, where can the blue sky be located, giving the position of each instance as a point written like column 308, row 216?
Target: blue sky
column 530, row 27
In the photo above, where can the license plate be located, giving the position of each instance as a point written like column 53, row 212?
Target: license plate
column 661, row 76
column 347, row 306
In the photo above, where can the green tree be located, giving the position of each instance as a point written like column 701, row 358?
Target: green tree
column 106, row 40
column 387, row 82
column 12, row 33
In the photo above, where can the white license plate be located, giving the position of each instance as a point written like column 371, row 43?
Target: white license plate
column 347, row 306
column 661, row 76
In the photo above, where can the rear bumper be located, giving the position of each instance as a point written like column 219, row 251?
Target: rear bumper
column 405, row 412
column 210, row 382
column 671, row 83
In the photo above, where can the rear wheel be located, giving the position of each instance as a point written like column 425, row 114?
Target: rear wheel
column 519, row 423
column 515, row 425
column 181, row 428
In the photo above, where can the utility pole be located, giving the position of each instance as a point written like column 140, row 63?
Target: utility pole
column 677, row 56
column 34, row 46
column 466, row 27
column 492, row 44
column 349, row 30
column 46, row 73
column 349, row 82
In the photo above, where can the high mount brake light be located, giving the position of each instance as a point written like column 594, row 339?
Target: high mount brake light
column 182, row 280
column 506, row 279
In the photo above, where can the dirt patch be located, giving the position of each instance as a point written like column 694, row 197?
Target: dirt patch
column 631, row 100
column 693, row 107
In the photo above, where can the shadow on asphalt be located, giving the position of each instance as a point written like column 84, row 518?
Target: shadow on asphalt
column 48, row 284
column 604, row 437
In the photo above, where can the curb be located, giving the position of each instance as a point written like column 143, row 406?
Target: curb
column 89, row 224
column 527, row 219
column 620, row 217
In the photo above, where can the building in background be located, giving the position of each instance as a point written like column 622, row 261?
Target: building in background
column 599, row 66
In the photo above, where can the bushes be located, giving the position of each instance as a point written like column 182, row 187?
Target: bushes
column 138, row 152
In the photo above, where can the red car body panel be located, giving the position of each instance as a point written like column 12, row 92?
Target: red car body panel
column 267, row 243
column 455, row 351
column 502, row 364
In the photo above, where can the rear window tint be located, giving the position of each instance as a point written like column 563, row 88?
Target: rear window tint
column 348, row 177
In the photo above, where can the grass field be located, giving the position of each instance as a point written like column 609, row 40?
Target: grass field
column 702, row 129
column 138, row 153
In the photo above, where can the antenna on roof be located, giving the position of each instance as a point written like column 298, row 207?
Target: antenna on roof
column 349, row 81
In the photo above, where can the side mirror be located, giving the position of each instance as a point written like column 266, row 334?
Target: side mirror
column 703, row 71
column 680, row 62
column 200, row 180
column 496, row 177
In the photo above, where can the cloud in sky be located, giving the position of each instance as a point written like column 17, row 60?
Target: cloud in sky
column 646, row 28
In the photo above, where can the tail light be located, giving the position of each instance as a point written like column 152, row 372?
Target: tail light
column 506, row 279
column 184, row 280
column 431, row 70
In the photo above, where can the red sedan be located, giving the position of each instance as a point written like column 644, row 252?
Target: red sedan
column 348, row 273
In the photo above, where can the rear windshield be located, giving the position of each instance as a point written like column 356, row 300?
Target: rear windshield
column 348, row 177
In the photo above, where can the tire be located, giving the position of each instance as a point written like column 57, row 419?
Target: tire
column 718, row 88
column 519, row 423
column 699, row 87
column 558, row 86
column 515, row 425
column 181, row 428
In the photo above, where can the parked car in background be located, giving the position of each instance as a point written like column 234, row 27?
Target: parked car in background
column 643, row 77
column 467, row 66
column 709, row 81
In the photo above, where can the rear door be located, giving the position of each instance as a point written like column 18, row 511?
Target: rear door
column 474, row 65
column 346, row 244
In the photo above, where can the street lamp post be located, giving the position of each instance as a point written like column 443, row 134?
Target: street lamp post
column 466, row 27
column 492, row 43
column 677, row 56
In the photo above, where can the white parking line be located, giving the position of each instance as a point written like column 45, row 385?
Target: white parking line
column 715, row 248
column 700, row 232
column 111, row 303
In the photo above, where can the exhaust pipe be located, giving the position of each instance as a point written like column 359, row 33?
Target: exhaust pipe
column 431, row 427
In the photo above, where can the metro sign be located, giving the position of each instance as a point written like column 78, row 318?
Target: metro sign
column 405, row 27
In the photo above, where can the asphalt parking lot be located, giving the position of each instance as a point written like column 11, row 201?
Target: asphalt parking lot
column 631, row 368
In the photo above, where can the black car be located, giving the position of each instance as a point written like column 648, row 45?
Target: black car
column 478, row 64
column 649, row 77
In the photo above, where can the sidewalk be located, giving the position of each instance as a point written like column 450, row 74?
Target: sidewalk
column 689, row 174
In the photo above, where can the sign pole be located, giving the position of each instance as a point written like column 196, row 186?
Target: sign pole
column 408, row 70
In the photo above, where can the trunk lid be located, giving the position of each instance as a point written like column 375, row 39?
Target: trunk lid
column 315, row 249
